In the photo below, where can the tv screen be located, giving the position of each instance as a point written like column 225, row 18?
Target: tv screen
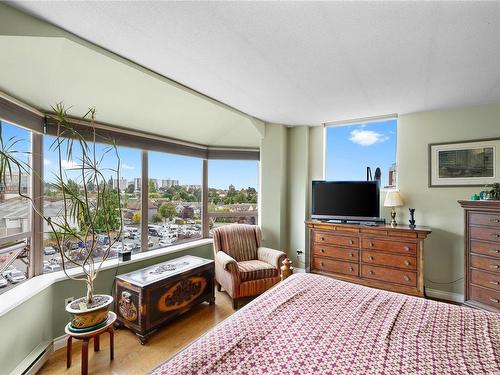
column 345, row 200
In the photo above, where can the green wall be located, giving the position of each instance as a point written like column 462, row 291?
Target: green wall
column 42, row 318
column 438, row 207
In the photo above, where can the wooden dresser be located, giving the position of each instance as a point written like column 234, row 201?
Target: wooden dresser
column 482, row 254
column 383, row 257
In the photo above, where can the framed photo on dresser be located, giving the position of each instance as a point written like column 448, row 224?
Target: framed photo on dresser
column 464, row 163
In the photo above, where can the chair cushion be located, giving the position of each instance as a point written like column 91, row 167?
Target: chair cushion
column 255, row 270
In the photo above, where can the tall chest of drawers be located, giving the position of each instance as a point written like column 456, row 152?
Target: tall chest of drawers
column 383, row 257
column 482, row 254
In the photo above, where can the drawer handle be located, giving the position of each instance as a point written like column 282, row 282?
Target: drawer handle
column 495, row 220
column 407, row 248
column 494, row 300
column 494, row 282
column 406, row 278
column 351, row 255
column 351, row 269
column 321, row 264
column 494, row 266
column 496, row 235
column 322, row 238
column 370, row 257
column 407, row 263
column 370, row 244
column 371, row 272
column 322, row 250
column 351, row 242
column 494, row 251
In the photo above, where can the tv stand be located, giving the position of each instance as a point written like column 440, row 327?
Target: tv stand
column 379, row 256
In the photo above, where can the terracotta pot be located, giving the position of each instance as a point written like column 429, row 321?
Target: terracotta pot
column 91, row 316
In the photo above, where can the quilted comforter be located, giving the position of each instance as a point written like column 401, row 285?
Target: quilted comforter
column 310, row 324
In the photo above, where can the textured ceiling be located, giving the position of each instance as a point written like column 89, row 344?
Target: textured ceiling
column 303, row 62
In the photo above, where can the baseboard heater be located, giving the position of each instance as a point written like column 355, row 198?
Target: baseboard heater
column 35, row 360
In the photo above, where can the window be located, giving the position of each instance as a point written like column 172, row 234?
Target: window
column 174, row 199
column 15, row 210
column 130, row 161
column 232, row 193
column 350, row 149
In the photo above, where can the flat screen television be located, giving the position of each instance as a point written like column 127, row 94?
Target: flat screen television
column 346, row 201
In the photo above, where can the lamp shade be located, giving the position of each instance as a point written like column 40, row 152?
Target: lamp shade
column 393, row 199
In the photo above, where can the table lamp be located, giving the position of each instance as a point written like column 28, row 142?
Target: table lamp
column 393, row 200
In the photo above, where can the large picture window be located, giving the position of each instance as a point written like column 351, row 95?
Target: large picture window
column 232, row 193
column 174, row 199
column 15, row 213
column 351, row 148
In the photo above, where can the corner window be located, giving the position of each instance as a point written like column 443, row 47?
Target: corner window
column 350, row 149
column 232, row 192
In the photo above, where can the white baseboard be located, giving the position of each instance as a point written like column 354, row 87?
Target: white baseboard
column 60, row 342
column 448, row 296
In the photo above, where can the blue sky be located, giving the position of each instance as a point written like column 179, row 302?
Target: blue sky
column 350, row 149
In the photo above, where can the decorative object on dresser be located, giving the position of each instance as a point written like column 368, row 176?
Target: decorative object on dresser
column 147, row 298
column 243, row 267
column 482, row 254
column 412, row 218
column 393, row 200
column 384, row 257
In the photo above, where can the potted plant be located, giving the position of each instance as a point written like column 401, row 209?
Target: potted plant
column 494, row 191
column 91, row 207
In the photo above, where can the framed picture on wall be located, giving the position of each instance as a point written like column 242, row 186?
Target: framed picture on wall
column 465, row 163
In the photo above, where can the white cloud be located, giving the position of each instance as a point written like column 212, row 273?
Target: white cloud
column 46, row 162
column 126, row 166
column 68, row 164
column 367, row 137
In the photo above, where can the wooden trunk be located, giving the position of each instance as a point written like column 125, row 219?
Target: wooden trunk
column 382, row 256
column 147, row 298
column 482, row 254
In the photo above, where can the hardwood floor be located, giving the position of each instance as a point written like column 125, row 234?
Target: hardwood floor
column 133, row 358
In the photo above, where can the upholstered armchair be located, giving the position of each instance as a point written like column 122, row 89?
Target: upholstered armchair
column 242, row 266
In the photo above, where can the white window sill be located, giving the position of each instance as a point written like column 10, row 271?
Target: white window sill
column 23, row 292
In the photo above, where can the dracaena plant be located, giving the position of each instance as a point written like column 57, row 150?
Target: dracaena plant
column 88, row 200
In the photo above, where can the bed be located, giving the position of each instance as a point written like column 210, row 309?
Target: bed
column 311, row 324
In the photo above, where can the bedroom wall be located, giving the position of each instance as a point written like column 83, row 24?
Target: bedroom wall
column 438, row 207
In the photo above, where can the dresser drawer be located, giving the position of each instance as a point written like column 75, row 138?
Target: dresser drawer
column 331, row 239
column 387, row 259
column 393, row 246
column 486, row 279
column 492, row 220
column 335, row 252
column 389, row 275
column 484, row 263
column 486, row 296
column 488, row 234
column 485, row 248
column 335, row 266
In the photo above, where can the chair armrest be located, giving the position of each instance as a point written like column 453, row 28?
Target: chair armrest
column 271, row 256
column 228, row 263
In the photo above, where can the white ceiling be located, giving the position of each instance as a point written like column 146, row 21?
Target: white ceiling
column 304, row 62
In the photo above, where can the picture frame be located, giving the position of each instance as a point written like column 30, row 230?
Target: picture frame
column 464, row 163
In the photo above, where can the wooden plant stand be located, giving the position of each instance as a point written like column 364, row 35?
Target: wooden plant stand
column 85, row 337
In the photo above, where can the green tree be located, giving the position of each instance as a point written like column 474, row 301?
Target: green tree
column 152, row 186
column 130, row 189
column 136, row 217
column 108, row 215
column 167, row 210
column 157, row 218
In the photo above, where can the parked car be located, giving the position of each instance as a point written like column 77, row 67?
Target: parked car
column 16, row 276
column 51, row 268
column 129, row 246
column 3, row 282
column 8, row 270
column 49, row 250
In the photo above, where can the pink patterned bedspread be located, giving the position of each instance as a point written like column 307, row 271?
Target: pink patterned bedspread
column 310, row 324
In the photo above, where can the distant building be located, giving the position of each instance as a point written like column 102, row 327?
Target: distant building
column 191, row 187
column 121, row 184
column 137, row 183
column 11, row 187
column 169, row 183
column 392, row 175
